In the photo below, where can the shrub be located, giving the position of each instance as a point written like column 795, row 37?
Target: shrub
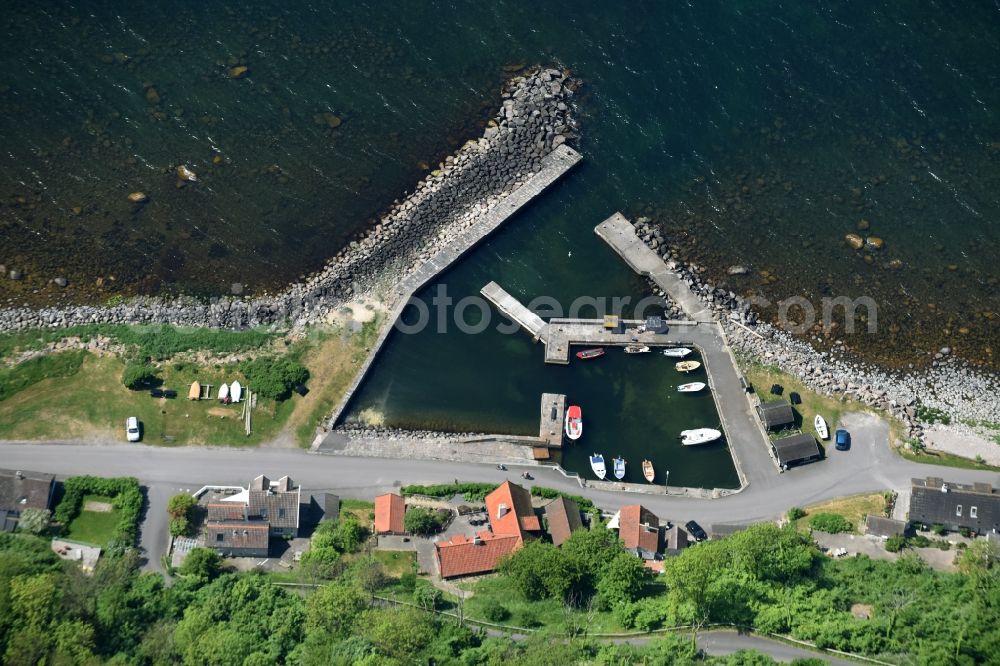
column 938, row 529
column 427, row 596
column 896, row 543
column 472, row 492
column 181, row 509
column 551, row 493
column 422, row 522
column 494, row 611
column 127, row 499
column 274, row 377
column 795, row 513
column 408, row 581
column 202, row 563
column 34, row 520
column 138, row 376
column 831, row 523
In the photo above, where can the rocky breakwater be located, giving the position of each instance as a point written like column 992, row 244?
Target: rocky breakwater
column 535, row 117
column 966, row 395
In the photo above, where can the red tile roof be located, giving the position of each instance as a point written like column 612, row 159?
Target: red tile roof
column 639, row 528
column 510, row 511
column 463, row 556
column 653, row 565
column 564, row 518
column 389, row 511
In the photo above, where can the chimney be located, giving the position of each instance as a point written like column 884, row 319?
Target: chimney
column 502, row 510
column 478, row 540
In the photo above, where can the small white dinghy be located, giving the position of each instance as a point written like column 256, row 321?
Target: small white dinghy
column 820, row 424
column 677, row 352
column 235, row 391
column 693, row 387
column 224, row 393
column 619, row 468
column 699, row 436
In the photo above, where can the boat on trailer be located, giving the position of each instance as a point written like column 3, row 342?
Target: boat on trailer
column 687, row 366
column 597, row 464
column 677, row 352
column 647, row 470
column 636, row 349
column 693, row 387
column 699, row 436
column 619, row 468
column 820, row 424
column 574, row 422
column 585, row 354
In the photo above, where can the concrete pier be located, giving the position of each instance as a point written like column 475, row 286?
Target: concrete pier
column 513, row 309
column 554, row 166
column 553, row 411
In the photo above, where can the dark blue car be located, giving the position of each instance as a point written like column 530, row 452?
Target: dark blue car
column 843, row 440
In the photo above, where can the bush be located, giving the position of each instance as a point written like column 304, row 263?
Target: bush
column 551, row 493
column 494, row 611
column 127, row 499
column 274, row 377
column 423, row 522
column 472, row 492
column 938, row 529
column 34, row 520
column 831, row 523
column 427, row 596
column 896, row 543
column 138, row 376
column 795, row 513
column 181, row 509
column 202, row 563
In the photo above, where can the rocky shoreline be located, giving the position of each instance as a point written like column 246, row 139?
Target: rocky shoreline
column 535, row 117
column 968, row 396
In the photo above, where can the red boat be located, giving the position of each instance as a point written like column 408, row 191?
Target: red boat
column 590, row 353
column 574, row 422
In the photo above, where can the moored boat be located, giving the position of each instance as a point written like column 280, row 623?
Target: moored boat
column 584, row 354
column 693, row 387
column 597, row 464
column 235, row 391
column 699, row 436
column 820, row 424
column 636, row 349
column 574, row 422
column 677, row 352
column 647, row 470
column 619, row 468
column 687, row 366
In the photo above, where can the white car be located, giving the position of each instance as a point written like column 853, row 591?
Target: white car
column 132, row 429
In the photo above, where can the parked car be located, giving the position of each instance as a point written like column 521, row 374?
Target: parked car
column 132, row 433
column 695, row 530
column 842, row 440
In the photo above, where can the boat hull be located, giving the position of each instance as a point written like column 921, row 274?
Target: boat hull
column 597, row 466
column 693, row 387
column 687, row 366
column 699, row 436
column 821, row 428
column 619, row 468
column 677, row 352
column 647, row 470
column 589, row 353
column 573, row 423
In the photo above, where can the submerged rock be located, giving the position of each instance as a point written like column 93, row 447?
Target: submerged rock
column 855, row 241
column 239, row 72
column 738, row 270
column 60, row 281
column 874, row 242
column 186, row 174
column 138, row 197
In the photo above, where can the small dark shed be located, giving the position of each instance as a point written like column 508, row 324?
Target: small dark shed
column 776, row 414
column 796, row 449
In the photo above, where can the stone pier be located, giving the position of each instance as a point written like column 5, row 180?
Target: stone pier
column 550, row 426
column 513, row 309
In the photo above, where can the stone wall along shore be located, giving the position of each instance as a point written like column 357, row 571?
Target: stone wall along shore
column 969, row 396
column 535, row 117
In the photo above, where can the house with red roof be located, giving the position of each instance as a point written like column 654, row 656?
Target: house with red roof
column 639, row 529
column 389, row 511
column 512, row 520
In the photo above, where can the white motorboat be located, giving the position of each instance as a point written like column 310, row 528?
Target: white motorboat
column 619, row 468
column 636, row 349
column 677, row 352
column 699, row 436
column 574, row 422
column 597, row 464
column 235, row 391
column 224, row 392
column 820, row 424
column 687, row 366
column 693, row 387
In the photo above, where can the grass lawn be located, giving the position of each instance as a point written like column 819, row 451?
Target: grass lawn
column 396, row 562
column 94, row 527
column 929, row 457
column 54, row 398
column 853, row 507
column 362, row 509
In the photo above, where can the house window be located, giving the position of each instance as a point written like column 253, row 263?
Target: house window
column 958, row 510
column 973, row 512
column 219, row 536
column 281, row 513
column 263, row 512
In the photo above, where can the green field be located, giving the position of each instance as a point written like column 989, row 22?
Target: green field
column 94, row 527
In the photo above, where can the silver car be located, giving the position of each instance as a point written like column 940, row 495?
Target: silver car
column 132, row 429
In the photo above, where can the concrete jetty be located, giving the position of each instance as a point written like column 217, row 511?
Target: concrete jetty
column 513, row 309
column 550, row 427
column 554, row 166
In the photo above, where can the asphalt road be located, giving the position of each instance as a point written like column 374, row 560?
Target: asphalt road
column 869, row 466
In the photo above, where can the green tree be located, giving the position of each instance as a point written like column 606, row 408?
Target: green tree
column 540, row 570
column 401, row 634
column 274, row 377
column 202, row 563
column 831, row 523
column 334, row 608
column 592, row 549
column 421, row 521
column 34, row 520
column 622, row 580
column 427, row 596
column 181, row 509
column 795, row 513
column 138, row 376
